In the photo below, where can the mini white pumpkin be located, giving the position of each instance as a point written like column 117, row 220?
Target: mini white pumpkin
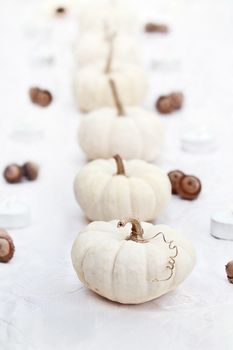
column 129, row 262
column 94, row 47
column 132, row 132
column 109, row 189
column 118, row 17
column 91, row 85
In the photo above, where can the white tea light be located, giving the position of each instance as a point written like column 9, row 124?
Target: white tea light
column 199, row 140
column 13, row 214
column 43, row 54
column 222, row 225
column 28, row 131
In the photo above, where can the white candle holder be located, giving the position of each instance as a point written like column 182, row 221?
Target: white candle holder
column 222, row 225
column 13, row 214
column 27, row 131
column 199, row 140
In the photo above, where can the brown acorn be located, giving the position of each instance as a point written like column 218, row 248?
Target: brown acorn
column 30, row 171
column 175, row 176
column 177, row 99
column 156, row 28
column 13, row 173
column 164, row 105
column 229, row 271
column 189, row 187
column 33, row 92
column 40, row 97
column 170, row 103
column 60, row 10
column 7, row 247
column 44, row 98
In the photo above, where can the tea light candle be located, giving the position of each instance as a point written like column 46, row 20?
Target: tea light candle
column 198, row 140
column 222, row 224
column 43, row 54
column 13, row 214
column 28, row 131
column 165, row 64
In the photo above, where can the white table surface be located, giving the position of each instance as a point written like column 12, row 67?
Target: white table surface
column 42, row 303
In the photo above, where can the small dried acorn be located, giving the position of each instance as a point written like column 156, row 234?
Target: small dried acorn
column 170, row 103
column 40, row 97
column 164, row 105
column 7, row 247
column 175, row 176
column 177, row 99
column 229, row 271
column 13, row 173
column 189, row 187
column 33, row 92
column 30, row 171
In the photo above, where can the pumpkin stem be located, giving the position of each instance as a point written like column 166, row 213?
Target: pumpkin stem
column 119, row 106
column 110, row 39
column 136, row 234
column 120, row 165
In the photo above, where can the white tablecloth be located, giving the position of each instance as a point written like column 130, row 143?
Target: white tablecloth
column 42, row 303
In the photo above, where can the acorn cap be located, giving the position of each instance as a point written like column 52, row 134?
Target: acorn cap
column 7, row 247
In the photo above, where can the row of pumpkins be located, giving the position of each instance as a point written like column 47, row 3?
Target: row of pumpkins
column 127, row 260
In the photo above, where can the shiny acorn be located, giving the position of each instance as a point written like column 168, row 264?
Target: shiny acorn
column 189, row 187
column 169, row 103
column 229, row 271
column 30, row 171
column 40, row 97
column 13, row 173
column 186, row 186
column 175, row 176
column 7, row 247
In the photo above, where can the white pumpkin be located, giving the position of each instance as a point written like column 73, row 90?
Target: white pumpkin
column 118, row 17
column 92, row 90
column 132, row 132
column 109, row 189
column 93, row 47
column 129, row 262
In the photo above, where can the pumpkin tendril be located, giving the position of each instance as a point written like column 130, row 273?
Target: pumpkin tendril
column 137, row 236
column 172, row 262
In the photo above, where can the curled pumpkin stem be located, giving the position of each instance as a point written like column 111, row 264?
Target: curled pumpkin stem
column 137, row 232
column 137, row 236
